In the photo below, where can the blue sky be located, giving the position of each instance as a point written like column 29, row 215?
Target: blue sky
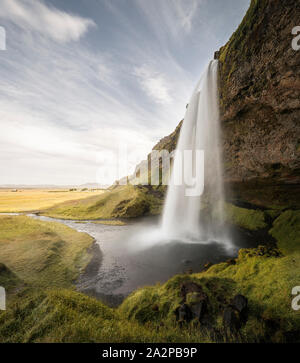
column 79, row 78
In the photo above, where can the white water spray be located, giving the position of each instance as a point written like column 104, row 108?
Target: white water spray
column 183, row 219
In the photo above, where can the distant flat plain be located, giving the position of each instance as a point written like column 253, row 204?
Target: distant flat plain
column 26, row 200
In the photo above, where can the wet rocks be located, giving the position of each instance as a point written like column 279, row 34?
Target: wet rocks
column 236, row 313
column 183, row 313
column 194, row 303
column 198, row 304
column 231, row 319
column 195, row 306
column 240, row 303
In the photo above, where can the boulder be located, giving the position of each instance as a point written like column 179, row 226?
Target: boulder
column 236, row 314
column 183, row 313
column 240, row 303
column 198, row 304
column 231, row 319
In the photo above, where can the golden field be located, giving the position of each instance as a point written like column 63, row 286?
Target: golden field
column 26, row 200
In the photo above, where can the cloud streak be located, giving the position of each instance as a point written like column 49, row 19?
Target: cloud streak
column 69, row 95
column 154, row 84
column 34, row 15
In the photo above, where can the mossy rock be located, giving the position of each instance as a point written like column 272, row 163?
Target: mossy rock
column 250, row 219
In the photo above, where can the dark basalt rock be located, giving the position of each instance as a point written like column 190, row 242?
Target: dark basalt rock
column 217, row 55
column 194, row 303
column 198, row 304
column 183, row 313
column 231, row 319
column 236, row 314
column 240, row 303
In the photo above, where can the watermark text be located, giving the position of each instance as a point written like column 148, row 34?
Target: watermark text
column 296, row 300
column 2, row 298
column 296, row 40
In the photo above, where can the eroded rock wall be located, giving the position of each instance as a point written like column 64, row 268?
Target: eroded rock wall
column 260, row 94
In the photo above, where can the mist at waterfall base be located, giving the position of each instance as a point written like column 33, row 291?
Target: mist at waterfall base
column 194, row 219
column 192, row 230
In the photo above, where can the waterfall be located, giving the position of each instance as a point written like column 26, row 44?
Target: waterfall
column 198, row 218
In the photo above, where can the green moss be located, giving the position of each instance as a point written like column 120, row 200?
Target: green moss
column 286, row 230
column 264, row 275
column 239, row 47
column 247, row 218
column 66, row 316
column 126, row 201
column 41, row 253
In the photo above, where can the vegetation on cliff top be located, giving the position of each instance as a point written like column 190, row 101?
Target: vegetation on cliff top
column 240, row 45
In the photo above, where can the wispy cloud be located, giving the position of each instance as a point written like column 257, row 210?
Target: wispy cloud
column 154, row 84
column 184, row 12
column 172, row 18
column 35, row 15
column 65, row 100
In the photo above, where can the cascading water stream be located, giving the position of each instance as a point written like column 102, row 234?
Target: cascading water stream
column 198, row 218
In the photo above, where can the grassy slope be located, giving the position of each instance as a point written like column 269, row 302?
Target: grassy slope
column 66, row 316
column 122, row 201
column 39, row 260
column 36, row 199
column 246, row 218
column 42, row 254
column 129, row 201
column 266, row 281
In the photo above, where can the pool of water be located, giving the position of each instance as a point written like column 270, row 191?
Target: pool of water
column 125, row 260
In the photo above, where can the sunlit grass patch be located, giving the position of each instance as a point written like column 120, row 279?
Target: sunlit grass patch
column 42, row 253
column 36, row 199
column 125, row 201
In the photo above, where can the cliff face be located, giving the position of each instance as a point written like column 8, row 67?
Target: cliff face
column 260, row 94
column 259, row 86
column 169, row 142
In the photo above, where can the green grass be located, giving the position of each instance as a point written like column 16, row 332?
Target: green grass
column 43, row 254
column 40, row 309
column 120, row 202
column 26, row 200
column 247, row 218
column 265, row 280
column 68, row 316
